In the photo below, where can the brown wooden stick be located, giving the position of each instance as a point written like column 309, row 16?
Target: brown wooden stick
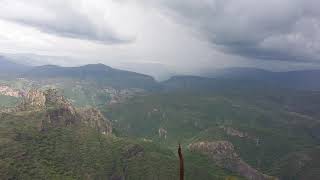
column 181, row 163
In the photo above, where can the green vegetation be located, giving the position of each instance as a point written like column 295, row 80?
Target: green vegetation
column 79, row 152
column 86, row 95
column 272, row 131
column 275, row 130
column 8, row 101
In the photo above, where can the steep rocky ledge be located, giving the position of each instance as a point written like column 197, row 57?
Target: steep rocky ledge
column 59, row 112
column 224, row 155
column 33, row 100
column 94, row 118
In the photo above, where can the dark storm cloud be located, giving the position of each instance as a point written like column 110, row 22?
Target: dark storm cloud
column 62, row 18
column 184, row 36
column 266, row 29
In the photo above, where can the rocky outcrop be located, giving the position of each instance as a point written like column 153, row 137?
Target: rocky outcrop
column 121, row 95
column 54, row 98
column 8, row 91
column 34, row 99
column 224, row 155
column 59, row 112
column 162, row 133
column 59, row 117
column 234, row 132
column 94, row 118
column 237, row 133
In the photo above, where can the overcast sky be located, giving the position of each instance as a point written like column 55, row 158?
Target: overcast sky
column 163, row 36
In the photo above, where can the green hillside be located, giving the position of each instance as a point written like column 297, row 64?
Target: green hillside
column 270, row 131
column 76, row 151
column 98, row 73
column 8, row 101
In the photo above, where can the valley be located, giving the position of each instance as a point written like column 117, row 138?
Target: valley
column 159, row 90
column 50, row 125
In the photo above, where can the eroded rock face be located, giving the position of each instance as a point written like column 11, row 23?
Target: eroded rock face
column 8, row 91
column 224, row 155
column 54, row 98
column 234, row 132
column 34, row 99
column 59, row 112
column 162, row 133
column 94, row 118
column 60, row 117
column 121, row 95
column 237, row 133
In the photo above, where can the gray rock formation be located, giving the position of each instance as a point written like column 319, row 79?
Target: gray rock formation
column 34, row 99
column 162, row 133
column 59, row 112
column 8, row 91
column 224, row 155
column 92, row 117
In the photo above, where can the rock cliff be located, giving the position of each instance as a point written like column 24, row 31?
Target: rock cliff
column 94, row 118
column 59, row 112
column 33, row 100
column 224, row 155
column 8, row 91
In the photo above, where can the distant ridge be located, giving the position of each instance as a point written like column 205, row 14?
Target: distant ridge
column 220, row 79
column 10, row 68
column 99, row 73
column 247, row 78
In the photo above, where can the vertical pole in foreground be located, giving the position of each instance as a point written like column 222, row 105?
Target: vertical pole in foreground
column 181, row 163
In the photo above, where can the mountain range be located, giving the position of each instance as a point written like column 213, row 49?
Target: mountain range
column 107, row 76
column 10, row 68
column 98, row 122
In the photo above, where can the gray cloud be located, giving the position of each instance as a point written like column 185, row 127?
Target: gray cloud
column 269, row 29
column 163, row 37
column 62, row 18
